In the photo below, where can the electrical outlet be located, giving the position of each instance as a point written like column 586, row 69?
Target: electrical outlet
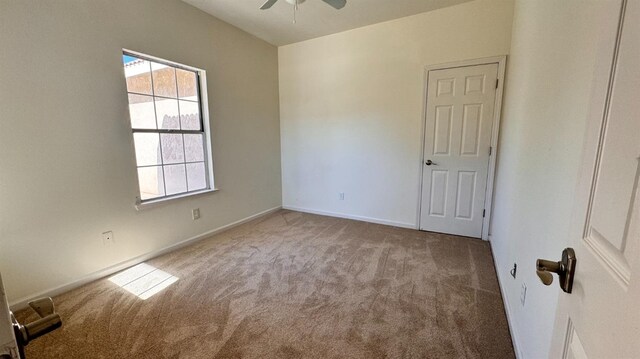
column 523, row 293
column 514, row 270
column 341, row 196
column 195, row 214
column 107, row 238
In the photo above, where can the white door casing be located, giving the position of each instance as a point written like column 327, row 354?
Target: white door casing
column 601, row 317
column 8, row 345
column 459, row 121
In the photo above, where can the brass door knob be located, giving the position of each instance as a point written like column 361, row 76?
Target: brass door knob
column 49, row 321
column 545, row 277
column 565, row 269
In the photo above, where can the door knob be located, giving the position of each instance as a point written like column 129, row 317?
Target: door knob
column 565, row 269
column 545, row 277
column 49, row 321
column 429, row 163
column 43, row 306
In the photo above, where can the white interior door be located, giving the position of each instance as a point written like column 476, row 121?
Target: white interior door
column 8, row 345
column 601, row 318
column 459, row 117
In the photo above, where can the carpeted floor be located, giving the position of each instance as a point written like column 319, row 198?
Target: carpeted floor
column 294, row 285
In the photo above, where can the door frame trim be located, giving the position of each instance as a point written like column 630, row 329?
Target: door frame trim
column 495, row 131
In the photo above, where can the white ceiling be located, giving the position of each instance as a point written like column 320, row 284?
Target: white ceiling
column 314, row 17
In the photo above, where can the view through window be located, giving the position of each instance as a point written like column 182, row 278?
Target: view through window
column 166, row 119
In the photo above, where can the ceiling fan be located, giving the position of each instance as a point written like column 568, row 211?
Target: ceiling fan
column 337, row 4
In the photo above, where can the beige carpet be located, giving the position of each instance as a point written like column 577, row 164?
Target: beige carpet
column 294, row 285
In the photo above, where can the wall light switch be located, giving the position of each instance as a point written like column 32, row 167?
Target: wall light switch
column 341, row 196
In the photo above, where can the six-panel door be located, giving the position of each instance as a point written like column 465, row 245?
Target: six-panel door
column 459, row 117
column 601, row 317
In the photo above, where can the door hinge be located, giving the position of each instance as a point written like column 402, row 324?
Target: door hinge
column 484, row 212
column 490, row 150
column 497, row 82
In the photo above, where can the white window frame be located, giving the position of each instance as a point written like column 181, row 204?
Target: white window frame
column 206, row 129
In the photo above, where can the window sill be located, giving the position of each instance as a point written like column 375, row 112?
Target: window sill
column 161, row 201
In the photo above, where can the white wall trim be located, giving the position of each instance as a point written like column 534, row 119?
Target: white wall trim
column 23, row 302
column 350, row 216
column 497, row 114
column 514, row 335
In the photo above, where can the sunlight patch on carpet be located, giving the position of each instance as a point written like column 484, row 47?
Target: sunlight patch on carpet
column 143, row 280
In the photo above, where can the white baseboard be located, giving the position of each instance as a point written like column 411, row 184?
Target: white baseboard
column 23, row 302
column 350, row 216
column 505, row 297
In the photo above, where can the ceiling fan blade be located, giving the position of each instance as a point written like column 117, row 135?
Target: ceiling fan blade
column 338, row 4
column 268, row 4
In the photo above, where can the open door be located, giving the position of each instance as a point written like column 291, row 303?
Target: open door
column 8, row 344
column 461, row 114
column 15, row 336
column 601, row 317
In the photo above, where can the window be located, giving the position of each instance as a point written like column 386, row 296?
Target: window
column 169, row 134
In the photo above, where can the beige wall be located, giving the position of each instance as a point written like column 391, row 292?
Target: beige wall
column 352, row 107
column 547, row 96
column 67, row 168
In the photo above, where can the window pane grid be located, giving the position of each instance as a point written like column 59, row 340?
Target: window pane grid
column 184, row 155
column 158, row 96
column 177, row 163
column 148, row 130
column 181, row 165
